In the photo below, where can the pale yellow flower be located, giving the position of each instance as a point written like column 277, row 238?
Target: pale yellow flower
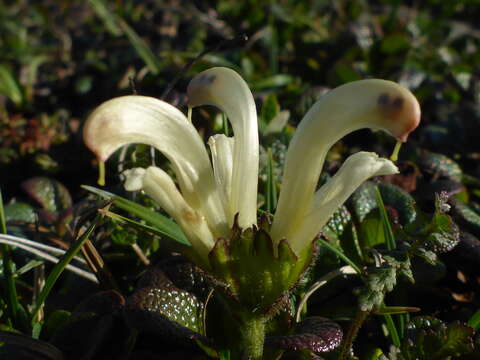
column 211, row 192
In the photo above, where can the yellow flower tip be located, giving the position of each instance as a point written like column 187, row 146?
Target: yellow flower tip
column 396, row 150
column 101, row 173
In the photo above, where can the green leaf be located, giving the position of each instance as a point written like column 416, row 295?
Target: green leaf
column 9, row 86
column 141, row 47
column 428, row 338
column 440, row 165
column 474, row 321
column 340, row 254
column 270, row 109
column 27, row 267
column 271, row 194
column 106, row 16
column 49, row 193
column 387, row 228
column 135, row 224
column 20, row 212
column 372, row 230
column 445, row 235
column 364, row 200
column 379, row 281
column 176, row 304
column 8, row 270
column 164, row 225
column 117, row 25
column 274, row 81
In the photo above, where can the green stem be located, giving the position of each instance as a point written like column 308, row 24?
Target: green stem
column 352, row 334
column 252, row 330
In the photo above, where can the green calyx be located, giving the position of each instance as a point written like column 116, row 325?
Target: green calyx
column 255, row 272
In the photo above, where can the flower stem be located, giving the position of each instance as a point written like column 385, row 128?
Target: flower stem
column 360, row 317
column 252, row 329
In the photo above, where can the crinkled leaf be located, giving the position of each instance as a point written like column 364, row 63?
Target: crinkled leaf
column 428, row 338
column 315, row 333
column 49, row 193
column 364, row 200
column 401, row 263
column 445, row 235
column 440, row 165
column 157, row 294
column 341, row 232
column 175, row 304
column 427, row 255
column 379, row 281
column 20, row 212
column 337, row 225
column 467, row 215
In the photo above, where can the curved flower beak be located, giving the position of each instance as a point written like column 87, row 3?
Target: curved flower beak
column 357, row 169
column 375, row 104
column 159, row 186
column 146, row 120
column 225, row 89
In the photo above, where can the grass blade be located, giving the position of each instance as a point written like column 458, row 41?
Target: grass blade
column 141, row 47
column 106, row 16
column 117, row 26
column 271, row 195
column 387, row 228
column 163, row 224
column 8, row 270
column 340, row 254
column 60, row 266
column 134, row 224
column 9, row 86
column 392, row 330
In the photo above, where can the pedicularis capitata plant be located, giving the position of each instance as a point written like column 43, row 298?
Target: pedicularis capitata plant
column 213, row 198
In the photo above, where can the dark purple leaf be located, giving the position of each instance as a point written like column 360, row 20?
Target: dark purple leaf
column 315, row 333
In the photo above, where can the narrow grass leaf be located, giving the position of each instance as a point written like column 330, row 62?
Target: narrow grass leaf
column 106, row 16
column 164, row 225
column 27, row 267
column 60, row 267
column 387, row 228
column 141, row 47
column 117, row 26
column 9, row 86
column 392, row 330
column 271, row 195
column 340, row 254
column 8, row 270
column 137, row 225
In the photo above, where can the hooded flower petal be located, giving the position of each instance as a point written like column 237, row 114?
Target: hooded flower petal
column 141, row 119
column 375, row 104
column 224, row 88
column 159, row 186
column 355, row 170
